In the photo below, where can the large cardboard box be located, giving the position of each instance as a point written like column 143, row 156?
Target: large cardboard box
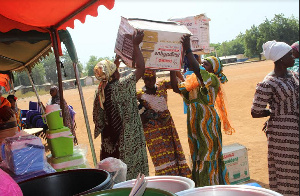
column 199, row 27
column 236, row 160
column 161, row 45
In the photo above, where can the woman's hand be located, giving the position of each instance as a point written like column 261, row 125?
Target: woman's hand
column 186, row 44
column 138, row 37
column 117, row 60
column 139, row 59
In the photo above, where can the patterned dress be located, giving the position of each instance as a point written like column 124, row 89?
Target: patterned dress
column 121, row 127
column 204, row 133
column 282, row 96
column 162, row 138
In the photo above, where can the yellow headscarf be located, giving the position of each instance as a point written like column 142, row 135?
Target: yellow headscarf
column 149, row 73
column 103, row 72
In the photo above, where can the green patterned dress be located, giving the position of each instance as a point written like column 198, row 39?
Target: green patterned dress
column 121, row 128
column 204, row 133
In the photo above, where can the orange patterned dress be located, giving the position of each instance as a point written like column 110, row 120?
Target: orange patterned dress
column 161, row 137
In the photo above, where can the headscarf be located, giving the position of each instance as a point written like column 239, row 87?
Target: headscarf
column 295, row 46
column 103, row 72
column 12, row 96
column 149, row 73
column 217, row 68
column 56, row 98
column 275, row 50
column 220, row 103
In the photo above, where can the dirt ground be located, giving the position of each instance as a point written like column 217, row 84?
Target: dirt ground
column 239, row 94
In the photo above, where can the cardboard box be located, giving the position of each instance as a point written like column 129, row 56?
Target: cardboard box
column 236, row 160
column 161, row 47
column 199, row 27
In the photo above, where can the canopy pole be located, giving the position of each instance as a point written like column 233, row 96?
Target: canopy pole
column 56, row 53
column 34, row 89
column 87, row 124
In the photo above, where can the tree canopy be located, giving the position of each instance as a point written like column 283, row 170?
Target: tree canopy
column 46, row 71
column 89, row 69
column 250, row 43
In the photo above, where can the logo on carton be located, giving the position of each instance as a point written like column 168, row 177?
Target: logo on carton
column 225, row 156
column 229, row 158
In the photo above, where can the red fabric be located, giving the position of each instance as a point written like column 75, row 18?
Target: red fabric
column 40, row 15
column 4, row 81
column 4, row 102
column 7, row 25
column 45, row 13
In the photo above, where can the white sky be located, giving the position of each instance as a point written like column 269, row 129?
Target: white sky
column 228, row 18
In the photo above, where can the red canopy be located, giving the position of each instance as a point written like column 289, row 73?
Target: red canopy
column 51, row 16
column 40, row 15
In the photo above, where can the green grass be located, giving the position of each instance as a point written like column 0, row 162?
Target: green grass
column 253, row 59
column 30, row 94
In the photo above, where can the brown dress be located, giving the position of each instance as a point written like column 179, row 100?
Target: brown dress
column 162, row 138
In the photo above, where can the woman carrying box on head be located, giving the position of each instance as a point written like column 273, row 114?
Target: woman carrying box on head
column 159, row 129
column 115, row 113
column 201, row 91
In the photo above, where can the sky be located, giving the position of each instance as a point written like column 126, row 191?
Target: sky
column 97, row 35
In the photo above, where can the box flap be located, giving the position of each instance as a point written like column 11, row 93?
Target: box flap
column 158, row 25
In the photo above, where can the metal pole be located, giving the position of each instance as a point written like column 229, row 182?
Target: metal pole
column 55, row 48
column 34, row 89
column 87, row 124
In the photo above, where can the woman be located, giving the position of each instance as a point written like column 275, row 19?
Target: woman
column 8, row 123
column 295, row 47
column 12, row 99
column 69, row 120
column 159, row 129
column 201, row 92
column 116, row 116
column 280, row 90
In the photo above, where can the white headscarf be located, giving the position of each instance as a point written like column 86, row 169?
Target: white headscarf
column 275, row 50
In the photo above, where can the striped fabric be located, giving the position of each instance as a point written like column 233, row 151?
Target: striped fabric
column 162, row 138
column 204, row 133
column 282, row 96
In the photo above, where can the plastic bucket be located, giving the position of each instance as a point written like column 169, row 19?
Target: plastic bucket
column 54, row 120
column 74, row 161
column 52, row 108
column 171, row 184
column 60, row 146
column 229, row 190
column 67, row 183
column 126, row 191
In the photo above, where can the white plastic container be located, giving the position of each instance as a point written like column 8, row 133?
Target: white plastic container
column 52, row 108
column 172, row 184
column 228, row 190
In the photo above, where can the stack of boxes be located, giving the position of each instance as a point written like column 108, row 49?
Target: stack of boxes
column 60, row 141
column 24, row 154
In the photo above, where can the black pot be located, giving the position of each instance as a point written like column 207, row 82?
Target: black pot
column 67, row 183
